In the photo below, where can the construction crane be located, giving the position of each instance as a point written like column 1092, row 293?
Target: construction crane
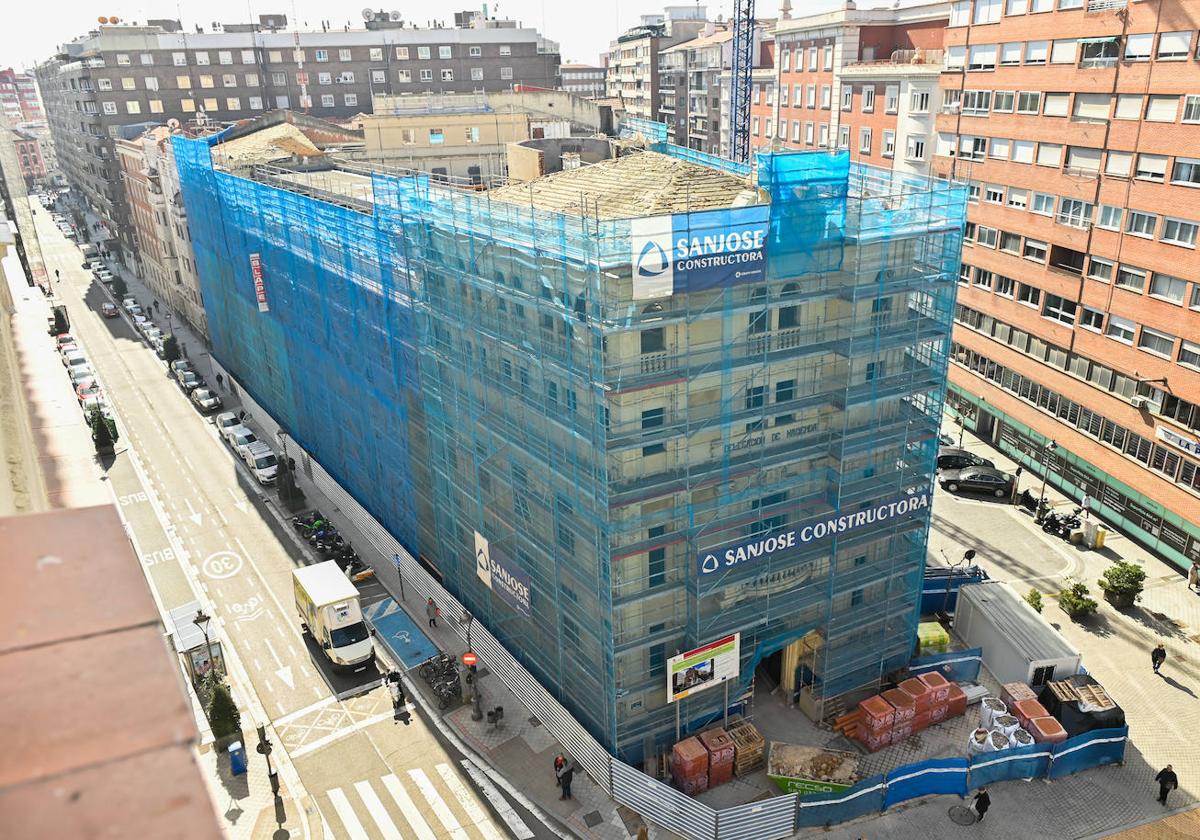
column 739, row 83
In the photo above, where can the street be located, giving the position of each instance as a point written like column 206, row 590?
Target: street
column 198, row 523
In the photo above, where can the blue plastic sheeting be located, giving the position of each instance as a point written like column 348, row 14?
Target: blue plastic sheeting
column 938, row 775
column 866, row 797
column 955, row 665
column 703, row 158
column 1029, row 762
column 936, row 596
column 404, row 638
column 1091, row 749
column 655, row 132
column 808, row 210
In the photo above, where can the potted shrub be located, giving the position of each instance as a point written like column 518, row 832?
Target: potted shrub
column 1074, row 600
column 1034, row 599
column 1122, row 583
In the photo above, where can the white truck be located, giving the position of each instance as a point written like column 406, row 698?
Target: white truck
column 329, row 609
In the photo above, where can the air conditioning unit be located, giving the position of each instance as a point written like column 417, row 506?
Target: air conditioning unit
column 1140, row 403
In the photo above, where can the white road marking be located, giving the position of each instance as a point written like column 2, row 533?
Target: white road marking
column 345, row 812
column 408, row 808
column 439, row 806
column 302, row 712
column 515, row 824
column 468, row 802
column 377, row 811
column 284, row 672
column 339, row 734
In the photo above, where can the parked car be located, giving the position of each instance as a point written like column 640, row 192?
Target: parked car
column 104, row 275
column 68, row 349
column 152, row 334
column 979, row 480
column 158, row 345
column 953, row 458
column 139, row 322
column 128, row 303
column 239, row 437
column 73, row 358
column 88, row 389
column 179, row 366
column 134, row 310
column 68, row 232
column 262, row 462
column 109, row 310
column 63, row 338
column 82, row 373
column 947, row 440
column 189, row 381
column 92, row 402
column 205, row 399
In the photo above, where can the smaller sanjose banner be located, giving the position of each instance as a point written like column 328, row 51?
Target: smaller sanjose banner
column 1187, row 444
column 703, row 667
column 689, row 252
column 764, row 547
column 504, row 577
column 260, row 289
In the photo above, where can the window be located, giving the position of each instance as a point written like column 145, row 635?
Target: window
column 133, row 107
column 128, row 83
column 1018, row 198
column 972, row 148
column 976, row 102
column 402, row 53
column 281, row 101
column 350, row 100
column 812, row 58
column 476, row 74
column 973, row 192
column 1189, row 354
column 233, row 103
column 919, row 102
column 1119, row 164
column 964, row 274
column 956, row 57
column 1099, row 269
column 783, row 94
column 847, row 97
column 472, row 134
column 891, row 99
column 1043, row 204
column 1000, row 148
column 826, row 96
column 824, row 135
column 1131, row 278
column 277, row 79
column 1063, row 52
column 322, row 55
column 506, row 73
column 1179, row 232
column 1083, row 161
column 810, row 136
column 982, row 57
column 1158, row 343
column 1091, row 107
column 810, row 96
column 889, row 143
column 1099, row 52
column 1004, row 286
column 1055, row 104
column 1110, row 217
column 1036, row 52
column 378, row 77
column 1034, row 250
column 1174, row 46
column 1138, row 47
column 1049, row 154
column 1167, row 287
column 426, row 75
column 1091, row 319
column 864, row 141
column 404, row 76
column 1129, row 107
column 1162, row 108
column 179, row 59
column 447, row 74
column 827, row 62
column 475, row 52
column 1191, row 108
column 229, row 80
column 122, row 59
column 1003, row 101
column 1017, row 7
column 436, row 137
column 206, row 81
column 109, row 108
column 868, row 99
column 324, row 78
column 423, row 53
column 445, row 52
column 1186, row 171
column 225, row 57
column 983, row 278
column 1022, row 151
column 1074, row 212
column 106, row 84
column 987, row 11
column 256, row 103
column 1029, row 295
column 251, row 80
column 327, row 100
column 1141, row 224
column 1059, row 309
column 1010, row 54
column 505, row 49
column 1029, row 102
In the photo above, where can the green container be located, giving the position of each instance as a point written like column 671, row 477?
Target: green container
column 790, row 784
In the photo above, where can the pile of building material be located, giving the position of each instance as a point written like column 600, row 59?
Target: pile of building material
column 749, row 747
column 797, row 769
column 897, row 713
column 689, row 766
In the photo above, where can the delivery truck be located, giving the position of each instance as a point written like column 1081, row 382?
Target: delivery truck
column 328, row 604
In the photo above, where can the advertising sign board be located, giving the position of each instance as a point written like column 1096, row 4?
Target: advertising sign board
column 703, row 667
column 503, row 576
column 260, row 289
column 688, row 252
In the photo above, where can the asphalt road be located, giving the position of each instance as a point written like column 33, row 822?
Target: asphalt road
column 190, row 509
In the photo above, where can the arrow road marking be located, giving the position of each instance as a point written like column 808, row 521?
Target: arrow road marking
column 285, row 671
column 240, row 504
column 192, row 515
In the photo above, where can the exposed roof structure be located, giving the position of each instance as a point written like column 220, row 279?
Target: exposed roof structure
column 719, row 37
column 278, row 142
column 633, row 185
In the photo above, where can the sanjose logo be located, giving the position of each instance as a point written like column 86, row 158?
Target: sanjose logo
column 652, row 261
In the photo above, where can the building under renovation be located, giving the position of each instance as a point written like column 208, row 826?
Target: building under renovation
column 649, row 401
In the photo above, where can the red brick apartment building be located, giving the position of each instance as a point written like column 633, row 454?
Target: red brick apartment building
column 864, row 80
column 1077, row 123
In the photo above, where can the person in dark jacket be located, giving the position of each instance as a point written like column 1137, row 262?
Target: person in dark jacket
column 1158, row 656
column 982, row 803
column 565, row 774
column 1167, row 782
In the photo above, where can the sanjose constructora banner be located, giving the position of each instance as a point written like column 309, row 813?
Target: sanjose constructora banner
column 690, row 252
column 764, row 547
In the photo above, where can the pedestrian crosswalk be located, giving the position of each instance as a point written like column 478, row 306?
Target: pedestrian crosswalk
column 409, row 805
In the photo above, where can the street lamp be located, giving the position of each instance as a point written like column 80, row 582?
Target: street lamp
column 201, row 621
column 1046, row 449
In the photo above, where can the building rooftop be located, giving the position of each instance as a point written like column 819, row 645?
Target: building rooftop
column 633, row 185
column 704, row 41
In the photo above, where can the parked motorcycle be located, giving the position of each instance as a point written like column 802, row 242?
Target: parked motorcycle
column 308, row 521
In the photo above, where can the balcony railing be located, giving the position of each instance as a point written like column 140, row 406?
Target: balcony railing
column 1106, row 5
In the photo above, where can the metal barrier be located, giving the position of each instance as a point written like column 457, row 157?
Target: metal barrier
column 1029, row 762
column 663, row 803
column 938, row 775
column 955, row 666
column 766, row 819
column 866, row 797
column 1091, row 749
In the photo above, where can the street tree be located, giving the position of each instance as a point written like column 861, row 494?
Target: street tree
column 223, row 714
column 170, row 348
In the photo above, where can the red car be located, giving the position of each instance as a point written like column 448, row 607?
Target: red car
column 109, row 310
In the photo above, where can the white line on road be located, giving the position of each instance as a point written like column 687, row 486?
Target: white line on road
column 284, row 672
column 192, row 515
column 469, row 803
column 444, row 814
column 515, row 824
column 408, row 807
column 312, row 707
column 377, row 811
column 345, row 812
column 339, row 734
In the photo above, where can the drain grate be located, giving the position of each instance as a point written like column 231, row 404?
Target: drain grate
column 593, row 819
column 961, row 815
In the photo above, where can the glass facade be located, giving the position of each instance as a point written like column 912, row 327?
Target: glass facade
column 473, row 368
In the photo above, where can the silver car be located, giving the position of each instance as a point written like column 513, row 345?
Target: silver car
column 239, row 437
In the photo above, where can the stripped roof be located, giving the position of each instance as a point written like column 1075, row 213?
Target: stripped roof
column 633, row 185
column 718, row 37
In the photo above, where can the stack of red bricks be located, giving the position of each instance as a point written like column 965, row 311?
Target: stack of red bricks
column 1023, row 705
column 689, row 766
column 720, row 748
column 915, row 704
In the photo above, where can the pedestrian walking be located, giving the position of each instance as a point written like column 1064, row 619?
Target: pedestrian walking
column 1158, row 656
column 431, row 612
column 1194, row 575
column 220, row 381
column 396, row 690
column 560, row 761
column 1167, row 782
column 982, row 802
column 643, row 833
column 565, row 774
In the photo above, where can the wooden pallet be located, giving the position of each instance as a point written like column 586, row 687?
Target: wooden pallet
column 1093, row 695
column 749, row 747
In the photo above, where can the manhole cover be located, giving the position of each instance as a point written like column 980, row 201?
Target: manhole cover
column 962, row 815
column 593, row 819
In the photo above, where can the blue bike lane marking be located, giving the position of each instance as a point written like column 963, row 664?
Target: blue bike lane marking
column 404, row 638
